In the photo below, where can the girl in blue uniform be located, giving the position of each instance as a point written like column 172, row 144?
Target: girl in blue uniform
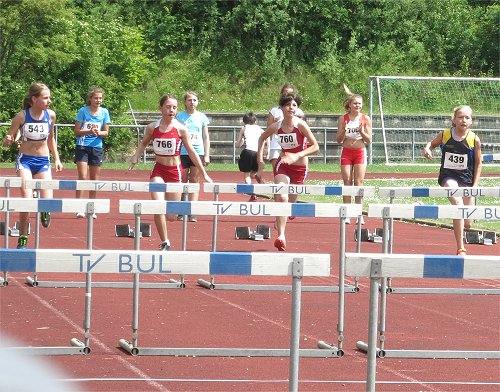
column 36, row 126
column 91, row 126
column 461, row 163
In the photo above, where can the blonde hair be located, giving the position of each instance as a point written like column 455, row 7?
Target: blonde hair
column 190, row 93
column 92, row 91
column 34, row 91
column 350, row 97
column 457, row 109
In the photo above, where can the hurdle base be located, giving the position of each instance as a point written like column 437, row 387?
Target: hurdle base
column 264, row 287
column 222, row 352
column 432, row 354
column 77, row 348
column 444, row 290
column 172, row 284
column 335, row 350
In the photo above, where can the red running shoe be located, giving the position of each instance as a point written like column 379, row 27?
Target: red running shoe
column 291, row 217
column 280, row 244
column 252, row 198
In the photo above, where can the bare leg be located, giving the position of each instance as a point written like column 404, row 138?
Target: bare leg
column 94, row 174
column 346, row 171
column 83, row 174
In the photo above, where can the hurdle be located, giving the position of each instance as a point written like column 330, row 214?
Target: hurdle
column 388, row 211
column 54, row 205
column 117, row 186
column 491, row 157
column 222, row 208
column 383, row 266
column 290, row 189
column 423, row 192
column 8, row 183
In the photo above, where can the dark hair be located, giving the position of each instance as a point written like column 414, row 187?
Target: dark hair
column 165, row 97
column 284, row 99
column 287, row 86
column 249, row 118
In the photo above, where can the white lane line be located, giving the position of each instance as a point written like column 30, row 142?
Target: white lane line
column 150, row 381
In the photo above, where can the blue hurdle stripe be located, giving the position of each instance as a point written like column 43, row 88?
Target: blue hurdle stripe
column 333, row 190
column 18, row 260
column 429, row 212
column 245, row 188
column 303, row 209
column 439, row 266
column 420, row 192
column 231, row 263
column 68, row 185
column 50, row 205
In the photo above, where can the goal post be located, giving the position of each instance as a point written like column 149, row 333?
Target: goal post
column 408, row 111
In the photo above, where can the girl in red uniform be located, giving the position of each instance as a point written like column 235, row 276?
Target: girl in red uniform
column 297, row 142
column 167, row 135
column 354, row 131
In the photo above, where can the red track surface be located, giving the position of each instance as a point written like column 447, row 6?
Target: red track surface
column 197, row 317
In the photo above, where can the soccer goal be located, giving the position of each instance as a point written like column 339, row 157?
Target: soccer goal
column 409, row 111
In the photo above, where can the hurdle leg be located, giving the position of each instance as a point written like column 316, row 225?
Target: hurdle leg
column 202, row 282
column 383, row 292
column 297, row 272
column 372, row 331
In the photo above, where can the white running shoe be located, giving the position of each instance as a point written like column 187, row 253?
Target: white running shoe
column 362, row 220
column 80, row 215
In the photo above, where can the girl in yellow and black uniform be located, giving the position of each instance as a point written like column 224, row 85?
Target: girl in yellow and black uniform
column 461, row 163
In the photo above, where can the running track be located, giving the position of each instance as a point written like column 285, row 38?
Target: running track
column 197, row 317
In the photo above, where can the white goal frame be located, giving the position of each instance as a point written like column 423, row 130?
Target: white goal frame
column 488, row 106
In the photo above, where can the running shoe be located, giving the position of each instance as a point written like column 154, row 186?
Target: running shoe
column 192, row 218
column 253, row 198
column 461, row 252
column 280, row 244
column 291, row 217
column 164, row 246
column 180, row 217
column 362, row 220
column 80, row 214
column 45, row 219
column 22, row 242
column 347, row 221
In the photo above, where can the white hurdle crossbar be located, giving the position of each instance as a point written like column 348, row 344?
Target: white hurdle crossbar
column 224, row 208
column 383, row 266
column 119, row 186
column 410, row 211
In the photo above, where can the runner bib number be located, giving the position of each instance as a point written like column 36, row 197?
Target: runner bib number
column 288, row 141
column 195, row 139
column 91, row 127
column 164, row 146
column 455, row 161
column 36, row 131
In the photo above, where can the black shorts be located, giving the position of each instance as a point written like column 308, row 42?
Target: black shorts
column 248, row 161
column 186, row 162
column 92, row 155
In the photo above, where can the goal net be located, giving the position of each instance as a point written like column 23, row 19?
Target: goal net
column 408, row 111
